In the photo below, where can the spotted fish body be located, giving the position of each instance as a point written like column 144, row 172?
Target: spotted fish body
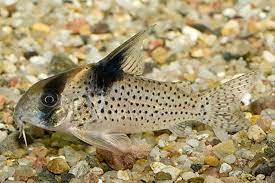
column 101, row 103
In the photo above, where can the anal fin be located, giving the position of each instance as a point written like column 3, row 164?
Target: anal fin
column 180, row 129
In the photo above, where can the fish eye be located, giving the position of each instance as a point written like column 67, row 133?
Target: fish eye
column 49, row 99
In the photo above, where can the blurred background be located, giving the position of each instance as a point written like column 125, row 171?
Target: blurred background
column 203, row 41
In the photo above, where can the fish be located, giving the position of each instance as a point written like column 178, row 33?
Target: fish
column 100, row 103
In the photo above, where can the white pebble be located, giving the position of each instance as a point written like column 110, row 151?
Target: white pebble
column 230, row 159
column 260, row 177
column 271, row 78
column 188, row 175
column 155, row 153
column 7, row 29
column 191, row 32
column 161, row 143
column 9, row 2
column 2, row 126
column 174, row 172
column 193, row 142
column 225, row 168
column 39, row 60
column 235, row 173
column 268, row 56
column 157, row 166
column 123, row 175
column 229, row 12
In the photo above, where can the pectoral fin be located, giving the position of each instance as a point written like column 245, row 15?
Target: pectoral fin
column 117, row 143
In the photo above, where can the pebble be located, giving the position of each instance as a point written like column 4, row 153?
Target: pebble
column 188, row 175
column 193, row 142
column 60, row 63
column 211, row 160
column 269, row 151
column 162, row 176
column 160, row 55
column 232, row 27
column 71, row 155
column 196, row 180
column 229, row 12
column 241, row 137
column 9, row 2
column 3, row 135
column 91, row 178
column 155, row 153
column 80, row 169
column 41, row 27
column 264, row 123
column 211, row 179
column 235, row 173
column 225, row 168
column 225, row 148
column 58, row 166
column 256, row 133
column 155, row 43
column 198, row 53
column 271, row 78
column 245, row 154
column 39, row 60
column 157, row 166
column 230, row 159
column 123, row 175
column 230, row 179
column 265, row 168
column 6, row 172
column 268, row 56
column 24, row 173
column 192, row 33
column 172, row 171
column 196, row 166
column 100, row 28
column 79, row 26
column 201, row 41
column 180, row 43
column 97, row 171
column 260, row 177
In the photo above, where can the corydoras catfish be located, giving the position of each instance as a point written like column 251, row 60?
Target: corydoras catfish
column 101, row 103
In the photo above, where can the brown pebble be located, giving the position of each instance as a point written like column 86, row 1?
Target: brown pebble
column 91, row 178
column 116, row 161
column 58, row 166
column 262, row 103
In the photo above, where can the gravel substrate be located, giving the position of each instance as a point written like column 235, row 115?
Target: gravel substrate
column 206, row 42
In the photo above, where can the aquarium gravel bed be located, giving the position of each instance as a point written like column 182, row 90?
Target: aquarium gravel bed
column 205, row 42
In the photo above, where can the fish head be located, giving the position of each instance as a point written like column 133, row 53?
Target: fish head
column 45, row 104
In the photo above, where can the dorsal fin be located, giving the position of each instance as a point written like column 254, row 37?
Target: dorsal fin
column 127, row 58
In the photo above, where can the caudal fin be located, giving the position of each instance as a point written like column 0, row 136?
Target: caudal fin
column 221, row 106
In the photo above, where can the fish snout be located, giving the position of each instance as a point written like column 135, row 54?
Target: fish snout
column 17, row 118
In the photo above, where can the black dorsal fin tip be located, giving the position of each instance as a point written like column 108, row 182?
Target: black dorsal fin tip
column 127, row 58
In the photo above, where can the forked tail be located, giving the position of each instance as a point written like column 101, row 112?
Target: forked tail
column 220, row 107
